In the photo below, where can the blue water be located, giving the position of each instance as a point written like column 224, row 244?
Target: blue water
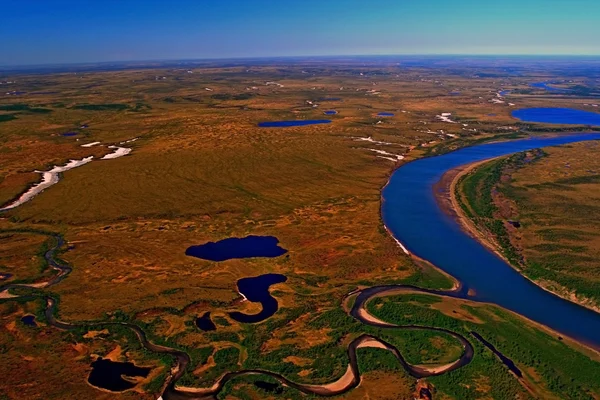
column 4, row 276
column 107, row 374
column 557, row 116
column 70, row 133
column 205, row 323
column 504, row 92
column 411, row 213
column 29, row 320
column 330, row 112
column 256, row 290
column 247, row 247
column 546, row 86
column 385, row 114
column 285, row 124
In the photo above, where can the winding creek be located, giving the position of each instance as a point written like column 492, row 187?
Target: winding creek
column 413, row 217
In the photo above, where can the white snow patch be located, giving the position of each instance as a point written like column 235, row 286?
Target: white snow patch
column 49, row 178
column 369, row 139
column 90, row 144
column 396, row 157
column 119, row 152
column 445, row 117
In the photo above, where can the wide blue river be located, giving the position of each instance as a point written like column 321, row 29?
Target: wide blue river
column 413, row 216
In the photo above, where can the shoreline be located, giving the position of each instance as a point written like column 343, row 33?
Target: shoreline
column 445, row 196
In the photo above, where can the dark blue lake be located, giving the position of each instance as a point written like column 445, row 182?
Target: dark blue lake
column 107, row 374
column 385, row 114
column 205, row 323
column 247, row 247
column 4, row 276
column 330, row 99
column 330, row 112
column 256, row 290
column 287, row 124
column 557, row 116
column 410, row 211
column 70, row 134
column 29, row 320
column 504, row 92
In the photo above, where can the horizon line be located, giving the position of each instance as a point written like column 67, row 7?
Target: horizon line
column 244, row 58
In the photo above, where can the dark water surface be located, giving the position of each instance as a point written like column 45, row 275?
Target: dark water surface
column 29, row 320
column 505, row 360
column 412, row 214
column 205, row 323
column 330, row 112
column 287, row 124
column 256, row 290
column 557, row 116
column 385, row 114
column 107, row 374
column 269, row 387
column 247, row 247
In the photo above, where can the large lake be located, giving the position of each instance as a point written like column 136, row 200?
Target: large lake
column 230, row 248
column 557, row 116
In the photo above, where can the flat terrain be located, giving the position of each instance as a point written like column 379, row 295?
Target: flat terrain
column 201, row 170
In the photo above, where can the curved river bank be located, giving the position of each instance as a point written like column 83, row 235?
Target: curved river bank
column 414, row 218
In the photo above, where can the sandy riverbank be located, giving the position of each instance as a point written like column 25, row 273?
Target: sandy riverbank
column 445, row 193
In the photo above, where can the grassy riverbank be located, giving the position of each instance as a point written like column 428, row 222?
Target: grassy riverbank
column 538, row 209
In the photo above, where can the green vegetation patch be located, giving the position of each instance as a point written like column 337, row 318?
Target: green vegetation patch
column 102, row 107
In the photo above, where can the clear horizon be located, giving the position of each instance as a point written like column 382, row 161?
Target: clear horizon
column 72, row 32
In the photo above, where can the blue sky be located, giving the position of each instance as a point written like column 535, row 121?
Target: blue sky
column 67, row 31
